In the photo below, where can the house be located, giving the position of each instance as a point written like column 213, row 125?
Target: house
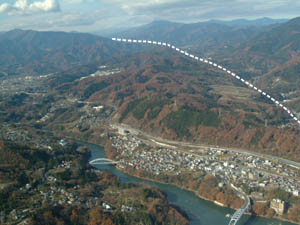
column 257, row 195
column 106, row 206
column 98, row 108
column 278, row 206
column 62, row 142
column 221, row 184
column 127, row 208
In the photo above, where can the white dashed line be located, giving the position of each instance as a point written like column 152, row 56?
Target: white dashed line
column 215, row 65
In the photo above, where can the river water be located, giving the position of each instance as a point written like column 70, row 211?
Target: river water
column 199, row 211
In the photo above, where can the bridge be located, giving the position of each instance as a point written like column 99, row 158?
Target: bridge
column 103, row 161
column 239, row 213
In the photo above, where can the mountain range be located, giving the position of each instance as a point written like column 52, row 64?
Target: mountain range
column 267, row 55
column 271, row 60
column 169, row 95
column 244, row 22
column 203, row 36
column 179, row 99
column 30, row 52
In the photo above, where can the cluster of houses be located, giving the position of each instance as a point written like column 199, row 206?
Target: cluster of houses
column 10, row 133
column 103, row 72
column 233, row 167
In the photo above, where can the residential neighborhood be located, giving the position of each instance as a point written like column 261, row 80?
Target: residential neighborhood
column 249, row 172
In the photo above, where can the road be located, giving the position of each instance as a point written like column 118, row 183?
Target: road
column 239, row 213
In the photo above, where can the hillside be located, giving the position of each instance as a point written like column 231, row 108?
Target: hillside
column 268, row 49
column 204, row 36
column 267, row 55
column 161, row 93
column 177, row 99
column 43, row 182
column 32, row 52
column 271, row 60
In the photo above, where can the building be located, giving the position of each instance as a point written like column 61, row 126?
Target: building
column 123, row 131
column 106, row 206
column 296, row 193
column 278, row 206
column 257, row 195
column 62, row 142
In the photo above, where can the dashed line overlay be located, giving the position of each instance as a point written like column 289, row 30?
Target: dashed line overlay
column 213, row 64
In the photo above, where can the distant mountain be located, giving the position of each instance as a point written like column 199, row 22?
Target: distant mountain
column 280, row 40
column 268, row 50
column 204, row 36
column 165, row 94
column 109, row 31
column 246, row 23
column 32, row 52
column 271, row 59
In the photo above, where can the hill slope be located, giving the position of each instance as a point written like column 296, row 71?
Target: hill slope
column 33, row 52
column 204, row 35
column 179, row 99
column 271, row 60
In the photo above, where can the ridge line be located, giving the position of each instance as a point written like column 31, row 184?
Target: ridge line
column 277, row 103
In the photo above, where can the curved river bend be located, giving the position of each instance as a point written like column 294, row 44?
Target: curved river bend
column 199, row 211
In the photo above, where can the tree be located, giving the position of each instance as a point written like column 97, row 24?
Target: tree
column 193, row 184
column 294, row 213
column 259, row 208
column 270, row 212
column 75, row 217
column 48, row 217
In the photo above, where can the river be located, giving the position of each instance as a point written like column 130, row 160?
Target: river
column 199, row 211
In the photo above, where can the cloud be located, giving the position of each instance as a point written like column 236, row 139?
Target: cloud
column 91, row 15
column 134, row 6
column 24, row 8
column 197, row 10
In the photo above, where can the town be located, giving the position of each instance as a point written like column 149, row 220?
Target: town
column 253, row 174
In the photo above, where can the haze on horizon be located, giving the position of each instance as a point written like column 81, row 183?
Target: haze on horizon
column 99, row 15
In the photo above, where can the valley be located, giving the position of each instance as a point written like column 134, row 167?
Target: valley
column 162, row 116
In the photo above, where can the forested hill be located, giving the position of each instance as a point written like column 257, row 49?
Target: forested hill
column 205, row 36
column 32, row 52
column 271, row 60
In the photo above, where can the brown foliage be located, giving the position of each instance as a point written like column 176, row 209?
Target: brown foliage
column 294, row 213
column 208, row 188
column 193, row 184
column 232, row 131
column 97, row 217
column 260, row 208
column 108, row 179
column 178, row 218
column 270, row 212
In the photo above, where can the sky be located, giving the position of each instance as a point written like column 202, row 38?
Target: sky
column 104, row 15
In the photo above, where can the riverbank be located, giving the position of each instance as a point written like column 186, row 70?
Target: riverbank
column 181, row 187
column 198, row 195
column 257, row 220
column 130, row 172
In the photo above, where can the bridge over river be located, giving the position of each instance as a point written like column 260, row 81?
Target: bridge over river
column 103, row 161
column 239, row 213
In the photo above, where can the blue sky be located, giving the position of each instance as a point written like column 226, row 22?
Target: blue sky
column 97, row 15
